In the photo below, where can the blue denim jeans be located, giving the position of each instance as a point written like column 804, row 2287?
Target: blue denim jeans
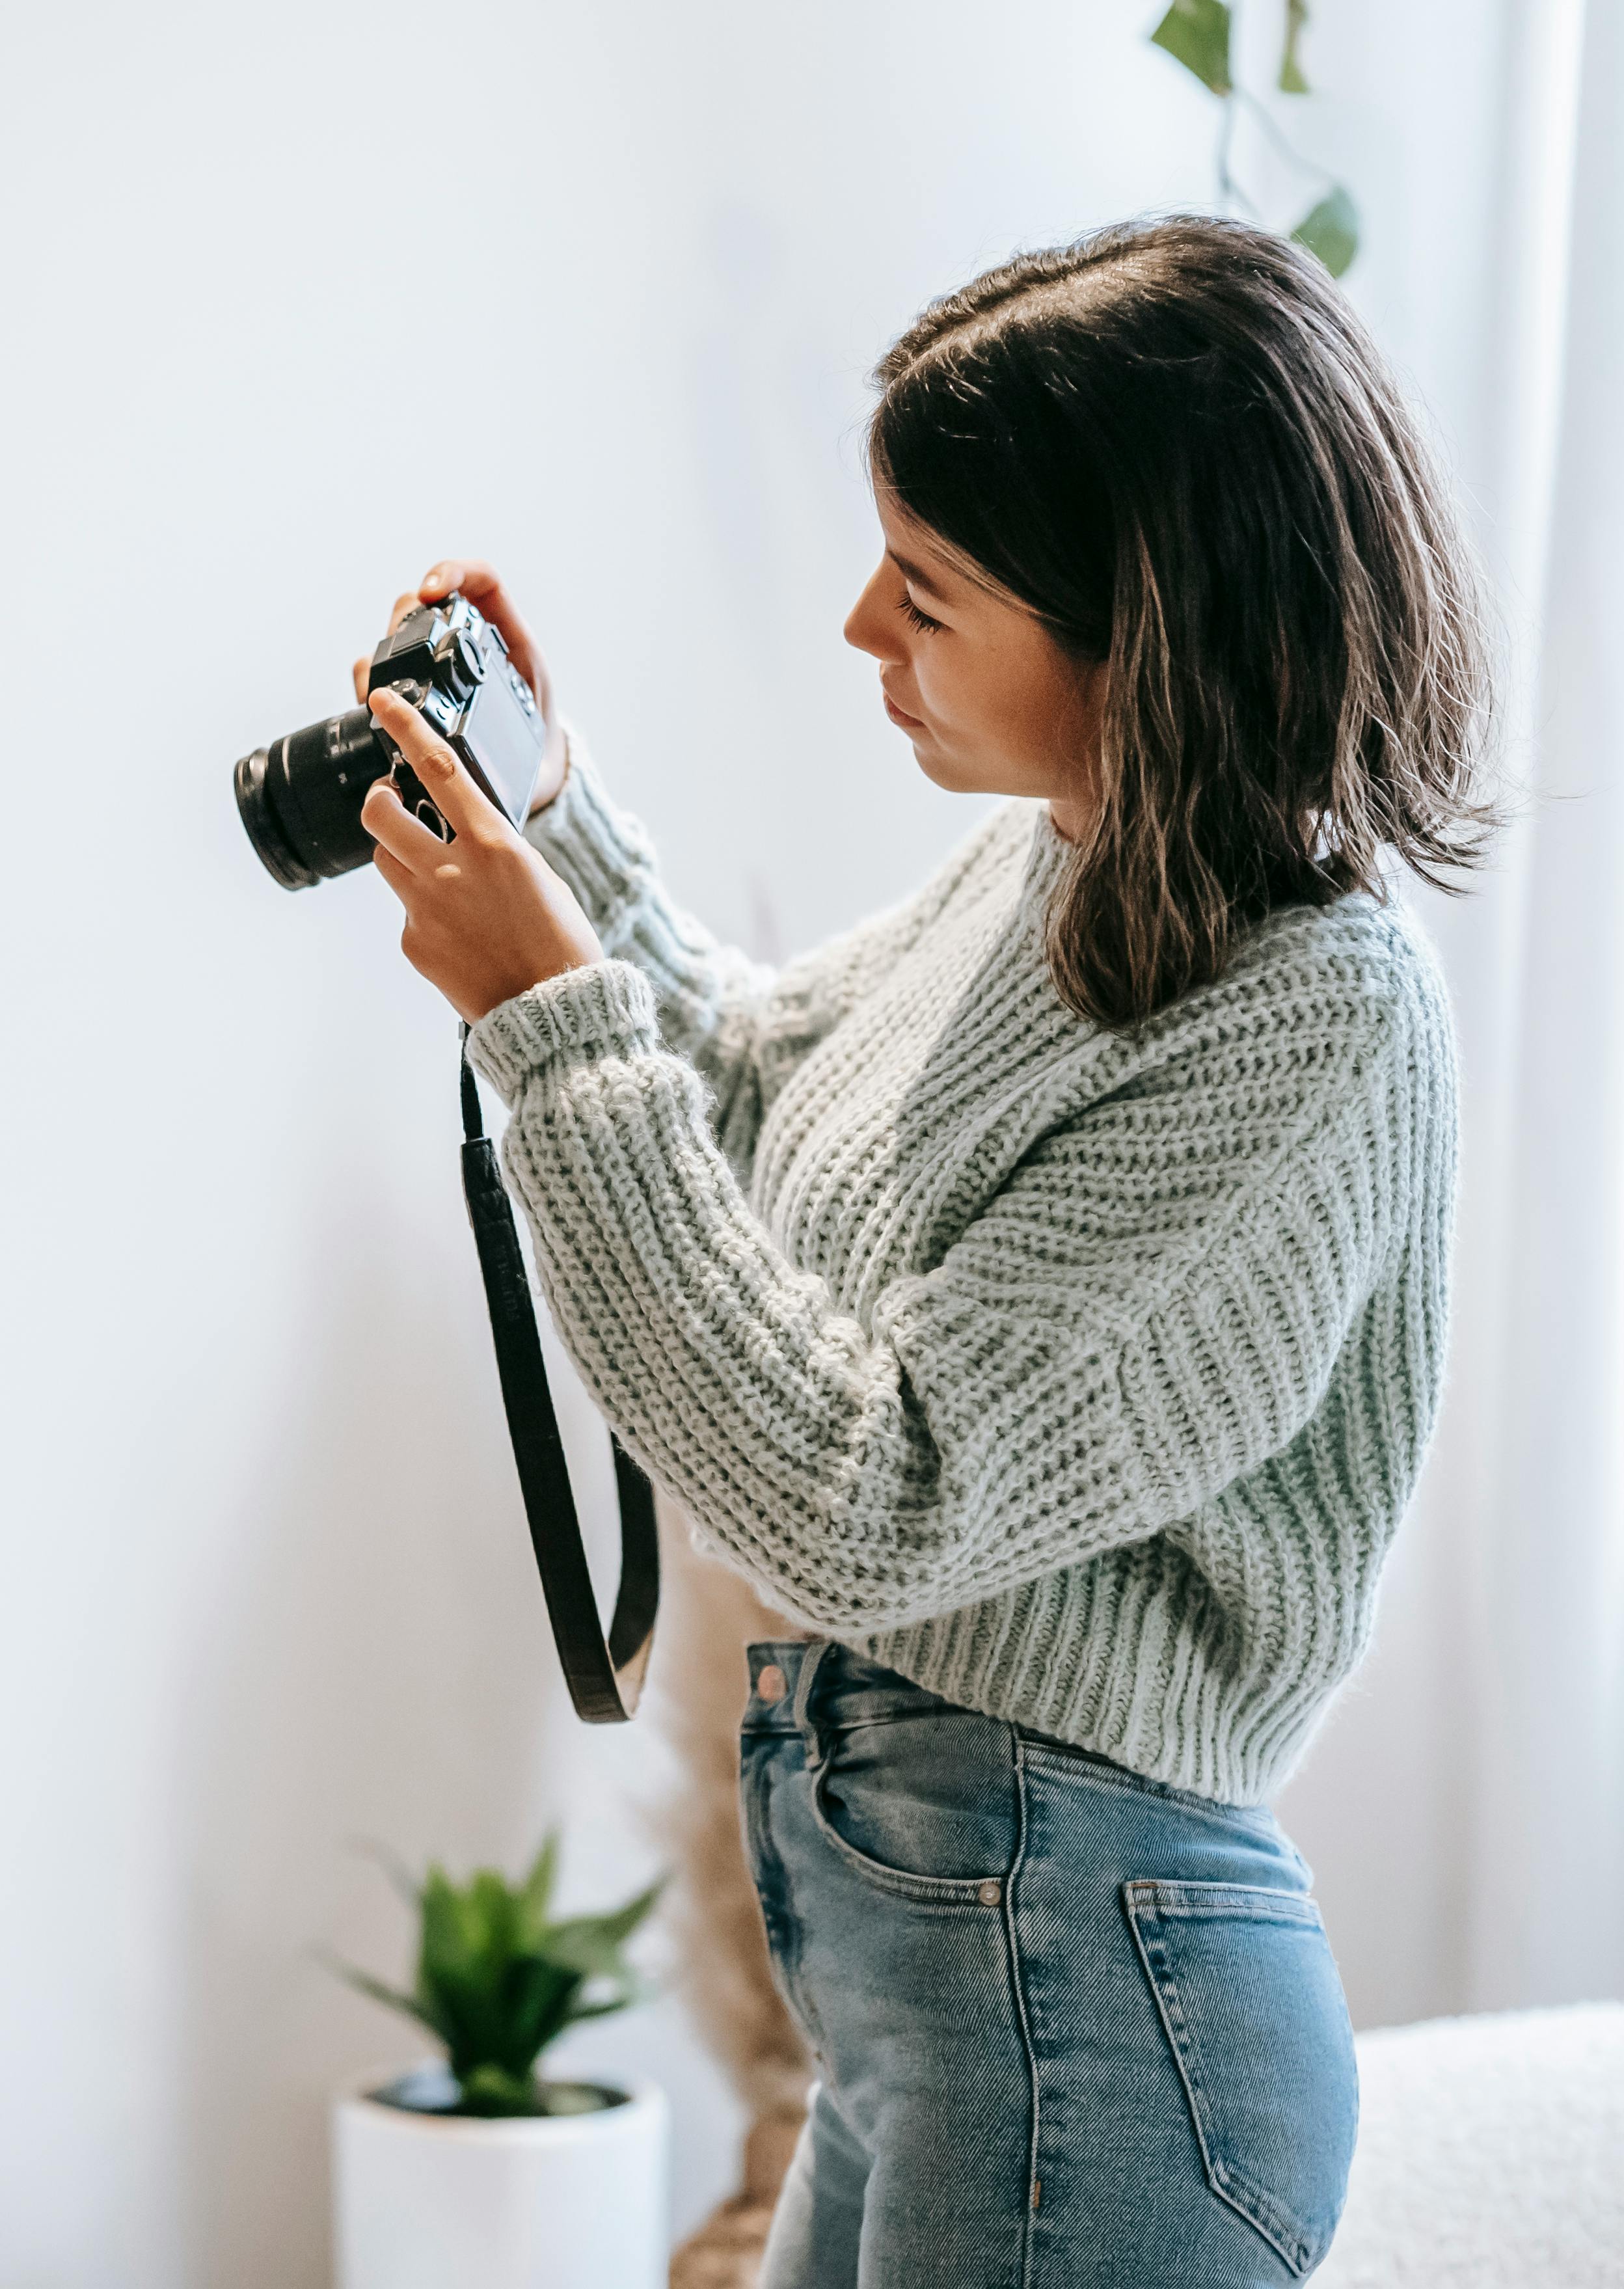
column 1072, row 2027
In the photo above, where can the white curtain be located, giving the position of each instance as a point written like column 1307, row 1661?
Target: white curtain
column 1469, row 1796
column 1544, row 1345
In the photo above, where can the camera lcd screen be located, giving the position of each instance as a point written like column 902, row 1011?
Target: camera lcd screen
column 502, row 746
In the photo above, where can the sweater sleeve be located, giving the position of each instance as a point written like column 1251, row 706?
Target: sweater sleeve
column 741, row 1025
column 1096, row 1356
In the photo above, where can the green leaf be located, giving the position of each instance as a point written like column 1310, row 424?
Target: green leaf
column 620, row 1997
column 1196, row 33
column 1331, row 230
column 592, row 1944
column 390, row 1997
column 399, row 1874
column 534, row 2002
column 537, row 1892
column 490, row 2091
column 465, row 1931
column 1293, row 79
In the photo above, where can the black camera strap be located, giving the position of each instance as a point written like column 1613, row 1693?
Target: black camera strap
column 605, row 1676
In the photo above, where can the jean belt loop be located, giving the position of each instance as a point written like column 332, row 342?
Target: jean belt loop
column 809, row 1733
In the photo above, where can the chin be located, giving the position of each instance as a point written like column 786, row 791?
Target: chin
column 943, row 771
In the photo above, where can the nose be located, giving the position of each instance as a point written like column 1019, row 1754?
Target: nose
column 866, row 628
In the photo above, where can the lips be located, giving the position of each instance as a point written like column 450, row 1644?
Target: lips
column 900, row 715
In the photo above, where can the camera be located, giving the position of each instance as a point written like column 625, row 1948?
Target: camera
column 300, row 798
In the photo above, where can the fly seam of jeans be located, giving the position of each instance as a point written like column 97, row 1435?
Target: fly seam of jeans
column 781, row 1912
column 1017, row 1980
column 811, row 1736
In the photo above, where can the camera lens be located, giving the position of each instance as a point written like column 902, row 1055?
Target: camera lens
column 277, row 855
column 300, row 799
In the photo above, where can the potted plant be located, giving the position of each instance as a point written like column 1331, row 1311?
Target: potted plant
column 472, row 2169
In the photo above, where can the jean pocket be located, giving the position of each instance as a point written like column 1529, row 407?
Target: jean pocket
column 1248, row 1992
column 921, row 1806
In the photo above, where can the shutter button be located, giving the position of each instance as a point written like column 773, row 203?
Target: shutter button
column 990, row 1893
column 772, row 1685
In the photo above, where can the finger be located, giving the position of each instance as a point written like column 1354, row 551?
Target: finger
column 360, row 673
column 388, row 822
column 482, row 585
column 455, row 794
column 399, row 609
column 471, row 574
column 400, row 879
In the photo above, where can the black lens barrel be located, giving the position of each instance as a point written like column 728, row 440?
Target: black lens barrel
column 300, row 799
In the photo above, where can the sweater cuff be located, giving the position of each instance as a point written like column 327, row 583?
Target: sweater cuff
column 598, row 1009
column 602, row 852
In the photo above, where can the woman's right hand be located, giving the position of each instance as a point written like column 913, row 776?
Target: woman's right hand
column 480, row 584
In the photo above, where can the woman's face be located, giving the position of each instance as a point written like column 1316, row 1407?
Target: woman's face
column 992, row 701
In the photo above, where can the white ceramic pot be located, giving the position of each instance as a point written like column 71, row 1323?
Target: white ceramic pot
column 425, row 2201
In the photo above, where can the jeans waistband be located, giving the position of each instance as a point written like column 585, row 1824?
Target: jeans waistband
column 815, row 1688
column 795, row 1681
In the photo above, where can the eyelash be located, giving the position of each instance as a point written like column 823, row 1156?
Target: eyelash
column 921, row 620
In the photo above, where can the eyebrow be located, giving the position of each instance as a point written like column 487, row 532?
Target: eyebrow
column 920, row 577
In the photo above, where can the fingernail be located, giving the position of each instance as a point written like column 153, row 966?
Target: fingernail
column 439, row 578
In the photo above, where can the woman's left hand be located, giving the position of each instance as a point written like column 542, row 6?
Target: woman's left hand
column 486, row 917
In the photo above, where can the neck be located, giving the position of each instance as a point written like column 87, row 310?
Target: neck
column 1067, row 820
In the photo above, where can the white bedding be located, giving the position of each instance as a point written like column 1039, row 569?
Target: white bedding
column 1491, row 2153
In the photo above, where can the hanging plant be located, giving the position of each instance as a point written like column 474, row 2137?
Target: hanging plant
column 1197, row 35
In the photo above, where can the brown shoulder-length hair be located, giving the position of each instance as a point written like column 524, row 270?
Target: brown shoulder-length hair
column 1176, row 444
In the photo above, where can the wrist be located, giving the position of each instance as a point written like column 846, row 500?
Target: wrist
column 545, row 802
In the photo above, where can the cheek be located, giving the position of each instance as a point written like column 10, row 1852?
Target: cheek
column 968, row 692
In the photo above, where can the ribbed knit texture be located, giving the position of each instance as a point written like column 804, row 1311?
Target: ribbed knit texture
column 1082, row 1378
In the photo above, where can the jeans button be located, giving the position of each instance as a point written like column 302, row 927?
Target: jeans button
column 990, row 1893
column 772, row 1685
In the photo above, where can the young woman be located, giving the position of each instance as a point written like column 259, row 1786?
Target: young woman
column 1039, row 1292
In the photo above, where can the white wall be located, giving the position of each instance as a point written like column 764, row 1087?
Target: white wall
column 298, row 299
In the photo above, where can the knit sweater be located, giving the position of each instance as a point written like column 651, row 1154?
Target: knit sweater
column 1080, row 1376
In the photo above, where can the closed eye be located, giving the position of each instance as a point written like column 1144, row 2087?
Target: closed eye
column 921, row 620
